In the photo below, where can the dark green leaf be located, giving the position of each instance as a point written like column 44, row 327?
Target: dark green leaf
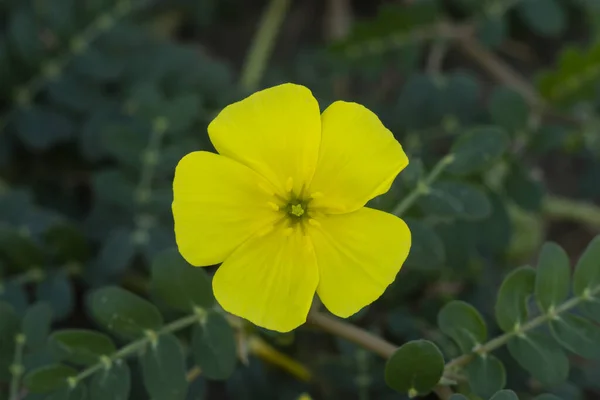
column 427, row 249
column 546, row 396
column 20, row 248
column 413, row 173
column 75, row 93
column 163, row 369
column 80, row 346
column 586, row 279
column 457, row 396
column 486, row 375
column 58, row 16
column 180, row 285
column 9, row 328
column 456, row 200
column 492, row 30
column 525, row 191
column 57, row 291
column 99, row 66
column 477, row 148
column 36, row 325
column 495, row 232
column 14, row 294
column 114, row 187
column 511, row 304
column 113, row 383
column 505, row 395
column 577, row 334
column 124, row 313
column 117, row 252
column 544, row 17
column 463, row 323
column 41, row 128
column 48, row 378
column 508, row 109
column 182, row 112
column 24, row 36
column 552, row 277
column 127, row 142
column 68, row 243
column 213, row 346
column 541, row 356
column 415, row 368
column 79, row 392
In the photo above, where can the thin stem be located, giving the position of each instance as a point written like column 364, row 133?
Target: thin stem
column 423, row 186
column 562, row 208
column 263, row 42
column 135, row 347
column 17, row 368
column 503, row 339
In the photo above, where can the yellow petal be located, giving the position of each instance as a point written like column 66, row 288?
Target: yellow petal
column 359, row 158
column 270, row 280
column 359, row 255
column 218, row 203
column 276, row 132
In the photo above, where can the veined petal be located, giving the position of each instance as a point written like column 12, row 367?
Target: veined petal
column 218, row 203
column 359, row 255
column 270, row 280
column 276, row 132
column 359, row 158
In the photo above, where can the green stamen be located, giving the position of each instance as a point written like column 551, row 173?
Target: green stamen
column 297, row 210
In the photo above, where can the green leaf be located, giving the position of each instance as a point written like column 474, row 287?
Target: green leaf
column 511, row 304
column 117, row 252
column 586, row 279
column 457, row 396
column 68, row 243
column 24, row 36
column 40, row 128
column 427, row 249
column 463, row 323
column 9, row 328
column 541, row 356
column 36, row 325
column 546, row 396
column 525, row 191
column 492, row 30
column 79, row 392
column 505, row 395
column 81, row 346
column 544, row 17
column 508, row 109
column 455, row 200
column 180, row 285
column 477, row 149
column 163, row 369
column 113, row 383
column 14, row 295
column 20, row 249
column 124, row 313
column 577, row 334
column 48, row 378
column 486, row 375
column 126, row 142
column 552, row 277
column 57, row 291
column 415, row 368
column 413, row 173
column 182, row 112
column 213, row 346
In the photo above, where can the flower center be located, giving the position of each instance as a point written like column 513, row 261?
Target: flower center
column 297, row 209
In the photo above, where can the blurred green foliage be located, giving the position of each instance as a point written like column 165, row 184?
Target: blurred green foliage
column 496, row 103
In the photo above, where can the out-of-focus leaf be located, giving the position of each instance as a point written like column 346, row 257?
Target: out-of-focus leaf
column 552, row 277
column 526, row 192
column 492, row 30
column 508, row 109
column 57, row 291
column 505, row 395
column 213, row 346
column 544, row 17
column 79, row 392
column 14, row 295
column 180, row 285
column 80, row 346
column 124, row 313
column 41, row 128
column 511, row 304
column 48, row 378
column 36, row 325
column 116, row 253
column 586, row 279
column 415, row 368
column 486, row 375
column 463, row 323
column 67, row 243
column 541, row 357
column 451, row 199
column 476, row 149
column 24, row 36
column 163, row 369
column 577, row 334
column 113, row 383
column 427, row 249
column 9, row 328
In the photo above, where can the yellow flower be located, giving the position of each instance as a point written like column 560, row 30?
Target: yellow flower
column 282, row 207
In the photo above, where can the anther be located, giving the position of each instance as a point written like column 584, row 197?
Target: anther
column 273, row 206
column 289, row 184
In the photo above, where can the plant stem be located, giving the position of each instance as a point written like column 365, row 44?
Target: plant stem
column 423, row 186
column 262, row 43
column 555, row 207
column 136, row 346
column 17, row 368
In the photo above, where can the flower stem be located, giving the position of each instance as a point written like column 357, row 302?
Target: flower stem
column 262, row 43
column 423, row 186
column 17, row 368
column 136, row 346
